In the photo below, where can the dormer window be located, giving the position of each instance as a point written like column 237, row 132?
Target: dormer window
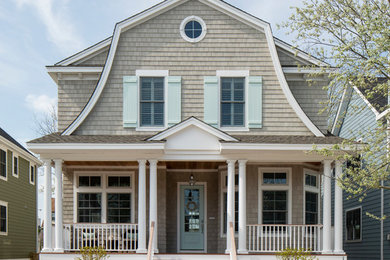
column 152, row 101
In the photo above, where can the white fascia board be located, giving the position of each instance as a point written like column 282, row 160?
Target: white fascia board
column 366, row 101
column 272, row 147
column 62, row 69
column 20, row 151
column 381, row 115
column 88, row 146
column 85, row 53
column 219, row 5
column 290, row 70
column 340, row 112
column 299, row 53
column 195, row 122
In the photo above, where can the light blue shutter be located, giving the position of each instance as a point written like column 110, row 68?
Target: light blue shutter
column 174, row 100
column 130, row 102
column 211, row 100
column 255, row 102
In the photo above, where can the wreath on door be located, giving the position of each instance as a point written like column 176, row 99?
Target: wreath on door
column 191, row 205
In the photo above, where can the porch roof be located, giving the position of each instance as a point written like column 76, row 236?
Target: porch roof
column 57, row 138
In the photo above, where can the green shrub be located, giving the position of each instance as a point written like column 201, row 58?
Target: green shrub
column 295, row 254
column 92, row 253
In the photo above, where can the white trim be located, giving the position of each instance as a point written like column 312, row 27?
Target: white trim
column 204, row 217
column 195, row 122
column 75, row 69
column 273, row 147
column 32, row 173
column 89, row 146
column 222, row 190
column 361, row 225
column 103, row 190
column 20, row 151
column 223, row 7
column 232, row 73
column 361, row 95
column 316, row 190
column 5, row 204
column 6, row 165
column 152, row 73
column 184, row 23
column 15, row 156
column 275, row 187
column 85, row 53
column 297, row 70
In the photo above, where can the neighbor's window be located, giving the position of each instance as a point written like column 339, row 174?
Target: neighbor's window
column 232, row 102
column 32, row 174
column 3, row 218
column 89, row 181
column 89, row 207
column 16, row 167
column 152, row 101
column 3, row 164
column 118, row 207
column 354, row 224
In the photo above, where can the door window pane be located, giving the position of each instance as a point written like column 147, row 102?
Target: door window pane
column 191, row 210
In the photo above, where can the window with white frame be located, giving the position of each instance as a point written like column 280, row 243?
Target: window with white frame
column 275, row 195
column 15, row 170
column 152, row 101
column 105, row 198
column 353, row 222
column 3, row 218
column 32, row 174
column 224, row 181
column 233, row 102
column 311, row 196
column 3, row 164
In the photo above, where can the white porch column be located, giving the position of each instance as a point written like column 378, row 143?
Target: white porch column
column 242, row 207
column 327, row 209
column 338, row 213
column 59, row 247
column 153, row 201
column 141, row 207
column 230, row 201
column 47, row 246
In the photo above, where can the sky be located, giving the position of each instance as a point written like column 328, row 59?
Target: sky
column 37, row 33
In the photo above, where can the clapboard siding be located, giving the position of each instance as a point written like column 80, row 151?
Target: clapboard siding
column 360, row 118
column 386, row 225
column 22, row 212
column 157, row 45
column 312, row 99
column 73, row 95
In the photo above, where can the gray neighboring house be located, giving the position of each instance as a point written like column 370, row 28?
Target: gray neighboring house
column 364, row 237
column 18, row 199
column 191, row 116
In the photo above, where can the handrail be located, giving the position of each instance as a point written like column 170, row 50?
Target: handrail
column 150, row 245
column 233, row 252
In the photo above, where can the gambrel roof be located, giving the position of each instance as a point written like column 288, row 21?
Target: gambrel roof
column 111, row 45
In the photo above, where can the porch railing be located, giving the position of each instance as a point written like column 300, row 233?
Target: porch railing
column 276, row 238
column 111, row 237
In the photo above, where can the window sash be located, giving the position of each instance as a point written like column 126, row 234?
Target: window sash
column 16, row 165
column 152, row 101
column 353, row 224
column 3, row 219
column 311, row 208
column 232, row 102
column 118, row 208
column 3, row 163
column 89, row 210
column 272, row 212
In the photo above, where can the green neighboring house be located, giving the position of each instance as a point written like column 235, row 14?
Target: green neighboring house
column 18, row 199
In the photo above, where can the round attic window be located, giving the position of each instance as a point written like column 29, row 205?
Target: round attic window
column 193, row 29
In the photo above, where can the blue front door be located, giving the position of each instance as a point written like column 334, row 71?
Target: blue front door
column 191, row 218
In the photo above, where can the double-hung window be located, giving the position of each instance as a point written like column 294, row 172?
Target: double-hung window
column 354, row 224
column 3, row 164
column 275, row 195
column 3, row 218
column 232, row 102
column 152, row 102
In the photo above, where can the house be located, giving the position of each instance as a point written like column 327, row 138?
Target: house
column 192, row 116
column 18, row 199
column 365, row 237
